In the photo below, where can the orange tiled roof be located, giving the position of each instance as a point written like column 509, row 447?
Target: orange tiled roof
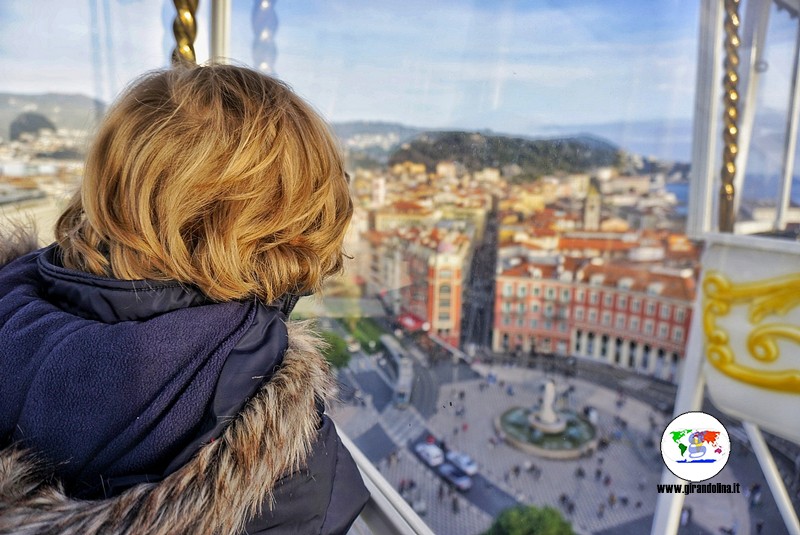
column 524, row 269
column 603, row 244
column 673, row 286
column 407, row 207
column 572, row 263
column 374, row 237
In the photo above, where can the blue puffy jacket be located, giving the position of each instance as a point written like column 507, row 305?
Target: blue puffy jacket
column 144, row 407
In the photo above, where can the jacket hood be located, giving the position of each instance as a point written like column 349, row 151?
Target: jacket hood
column 217, row 491
column 15, row 242
column 107, row 378
column 111, row 300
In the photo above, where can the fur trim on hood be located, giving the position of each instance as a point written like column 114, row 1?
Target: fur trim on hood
column 219, row 490
column 16, row 241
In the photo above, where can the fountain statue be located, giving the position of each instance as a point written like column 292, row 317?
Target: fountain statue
column 546, row 419
column 547, row 431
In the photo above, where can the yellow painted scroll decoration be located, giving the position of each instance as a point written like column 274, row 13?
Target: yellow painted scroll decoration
column 774, row 296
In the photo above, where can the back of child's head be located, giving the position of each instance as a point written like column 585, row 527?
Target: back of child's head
column 218, row 177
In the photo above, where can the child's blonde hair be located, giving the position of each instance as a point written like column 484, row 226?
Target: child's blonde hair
column 215, row 176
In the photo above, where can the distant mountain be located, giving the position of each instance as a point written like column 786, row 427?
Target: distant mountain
column 376, row 143
column 353, row 129
column 29, row 122
column 63, row 110
column 664, row 139
column 535, row 156
column 369, row 143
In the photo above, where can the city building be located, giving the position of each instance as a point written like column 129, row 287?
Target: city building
column 420, row 273
column 633, row 316
column 625, row 300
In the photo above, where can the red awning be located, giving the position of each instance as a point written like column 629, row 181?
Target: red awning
column 411, row 322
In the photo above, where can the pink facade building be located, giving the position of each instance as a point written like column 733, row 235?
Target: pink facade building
column 631, row 315
column 419, row 274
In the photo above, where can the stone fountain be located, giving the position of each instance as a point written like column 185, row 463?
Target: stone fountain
column 546, row 431
column 546, row 418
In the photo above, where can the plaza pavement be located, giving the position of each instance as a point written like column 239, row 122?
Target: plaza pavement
column 404, row 426
column 634, row 469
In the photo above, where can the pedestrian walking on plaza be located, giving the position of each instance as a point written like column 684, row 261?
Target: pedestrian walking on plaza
column 684, row 517
column 441, row 492
column 601, row 510
column 755, row 494
column 455, row 505
column 598, row 474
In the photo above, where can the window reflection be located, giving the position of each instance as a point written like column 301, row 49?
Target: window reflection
column 507, row 160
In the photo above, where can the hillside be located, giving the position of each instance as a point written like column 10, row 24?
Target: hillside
column 63, row 110
column 535, row 156
column 370, row 143
column 352, row 129
column 374, row 143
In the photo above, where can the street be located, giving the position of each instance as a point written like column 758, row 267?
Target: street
column 386, row 435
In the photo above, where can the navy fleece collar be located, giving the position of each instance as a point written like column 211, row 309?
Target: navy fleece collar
column 111, row 300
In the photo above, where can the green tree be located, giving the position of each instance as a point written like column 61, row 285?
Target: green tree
column 336, row 352
column 530, row 520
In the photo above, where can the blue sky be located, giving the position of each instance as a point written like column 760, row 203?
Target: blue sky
column 512, row 66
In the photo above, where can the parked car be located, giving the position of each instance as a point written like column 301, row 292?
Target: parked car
column 431, row 454
column 463, row 462
column 353, row 345
column 455, row 477
column 412, row 496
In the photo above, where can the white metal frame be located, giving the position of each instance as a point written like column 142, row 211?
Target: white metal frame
column 754, row 33
column 691, row 388
column 387, row 512
column 703, row 210
column 703, row 187
column 790, row 140
column 220, row 30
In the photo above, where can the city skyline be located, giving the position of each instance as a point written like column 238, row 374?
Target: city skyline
column 624, row 70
